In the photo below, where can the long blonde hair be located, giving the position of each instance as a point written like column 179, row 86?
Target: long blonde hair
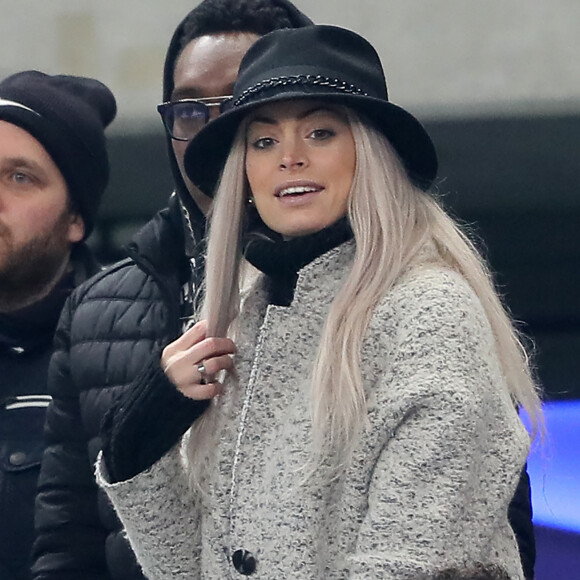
column 392, row 220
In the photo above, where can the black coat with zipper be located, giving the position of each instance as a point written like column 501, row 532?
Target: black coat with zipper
column 26, row 345
column 109, row 340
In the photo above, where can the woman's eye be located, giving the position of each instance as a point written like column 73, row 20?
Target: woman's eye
column 321, row 134
column 262, row 143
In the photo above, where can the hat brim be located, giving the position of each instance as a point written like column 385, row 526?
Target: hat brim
column 206, row 154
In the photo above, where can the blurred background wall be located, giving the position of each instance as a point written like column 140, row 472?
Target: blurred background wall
column 496, row 82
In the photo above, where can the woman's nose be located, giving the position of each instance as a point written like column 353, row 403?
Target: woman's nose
column 293, row 156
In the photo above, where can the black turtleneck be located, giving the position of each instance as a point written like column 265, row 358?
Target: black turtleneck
column 281, row 260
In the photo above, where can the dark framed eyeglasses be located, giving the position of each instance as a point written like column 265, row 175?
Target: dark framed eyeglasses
column 184, row 118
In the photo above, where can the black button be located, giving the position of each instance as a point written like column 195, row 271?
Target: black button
column 17, row 458
column 244, row 562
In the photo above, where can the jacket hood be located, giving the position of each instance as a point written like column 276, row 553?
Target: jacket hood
column 156, row 246
column 197, row 219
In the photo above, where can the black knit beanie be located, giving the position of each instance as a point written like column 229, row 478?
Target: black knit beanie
column 68, row 116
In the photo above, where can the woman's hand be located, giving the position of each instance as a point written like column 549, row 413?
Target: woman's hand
column 192, row 361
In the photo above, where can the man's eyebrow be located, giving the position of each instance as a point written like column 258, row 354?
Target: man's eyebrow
column 195, row 93
column 185, row 93
column 21, row 162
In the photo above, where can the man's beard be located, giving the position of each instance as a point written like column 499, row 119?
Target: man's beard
column 29, row 272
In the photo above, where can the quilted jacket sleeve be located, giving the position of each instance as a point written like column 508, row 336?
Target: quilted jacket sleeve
column 70, row 539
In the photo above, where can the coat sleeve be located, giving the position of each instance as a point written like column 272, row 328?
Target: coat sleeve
column 160, row 515
column 441, row 486
column 70, row 538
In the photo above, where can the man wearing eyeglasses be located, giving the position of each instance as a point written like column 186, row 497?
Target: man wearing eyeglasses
column 113, row 329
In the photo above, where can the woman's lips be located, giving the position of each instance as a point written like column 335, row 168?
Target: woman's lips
column 297, row 190
column 297, row 193
column 299, row 198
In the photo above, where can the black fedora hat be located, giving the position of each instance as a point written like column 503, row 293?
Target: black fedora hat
column 316, row 62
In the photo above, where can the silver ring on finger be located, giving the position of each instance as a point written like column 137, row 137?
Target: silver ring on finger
column 203, row 380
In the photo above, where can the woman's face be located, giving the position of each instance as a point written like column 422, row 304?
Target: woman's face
column 300, row 163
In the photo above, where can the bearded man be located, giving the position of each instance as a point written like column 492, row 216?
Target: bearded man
column 53, row 171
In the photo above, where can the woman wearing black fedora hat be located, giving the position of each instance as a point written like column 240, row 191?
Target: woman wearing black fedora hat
column 365, row 381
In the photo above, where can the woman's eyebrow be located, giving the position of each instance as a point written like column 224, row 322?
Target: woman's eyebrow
column 265, row 120
column 314, row 110
column 303, row 115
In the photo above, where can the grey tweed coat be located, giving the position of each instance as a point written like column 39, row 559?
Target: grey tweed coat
column 429, row 481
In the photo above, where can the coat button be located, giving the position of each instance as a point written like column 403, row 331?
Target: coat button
column 244, row 562
column 17, row 458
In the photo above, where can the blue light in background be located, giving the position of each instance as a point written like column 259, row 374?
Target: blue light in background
column 554, row 468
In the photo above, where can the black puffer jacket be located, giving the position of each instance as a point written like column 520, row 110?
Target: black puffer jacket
column 109, row 338
column 25, row 348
